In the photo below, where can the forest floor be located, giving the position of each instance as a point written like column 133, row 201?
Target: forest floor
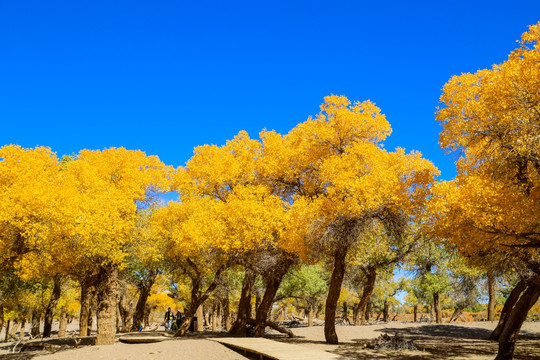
column 464, row 340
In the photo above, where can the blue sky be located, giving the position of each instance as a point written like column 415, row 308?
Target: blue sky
column 166, row 76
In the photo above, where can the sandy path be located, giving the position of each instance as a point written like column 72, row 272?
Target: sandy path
column 191, row 349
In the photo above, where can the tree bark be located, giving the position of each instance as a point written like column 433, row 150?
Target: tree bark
column 334, row 290
column 144, row 292
column 509, row 335
column 272, row 281
column 371, row 276
column 244, row 306
column 415, row 311
column 385, row 310
column 507, row 308
column 492, row 294
column 225, row 305
column 23, row 327
column 63, row 322
column 8, row 328
column 197, row 300
column 14, row 326
column 1, row 311
column 36, row 318
column 86, row 299
column 51, row 307
column 107, row 293
column 310, row 315
column 215, row 313
column 437, row 308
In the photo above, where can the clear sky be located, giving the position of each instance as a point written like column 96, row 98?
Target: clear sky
column 166, row 76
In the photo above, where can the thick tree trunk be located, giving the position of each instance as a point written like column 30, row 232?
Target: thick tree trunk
column 415, row 311
column 107, row 294
column 437, row 308
column 200, row 318
column 51, row 307
column 371, row 276
column 334, row 290
column 509, row 335
column 63, row 322
column 272, row 281
column 86, row 300
column 492, row 294
column 244, row 306
column 507, row 308
column 36, row 318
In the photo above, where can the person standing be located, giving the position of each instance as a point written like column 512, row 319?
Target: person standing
column 169, row 318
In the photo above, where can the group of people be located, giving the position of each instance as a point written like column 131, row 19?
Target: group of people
column 172, row 321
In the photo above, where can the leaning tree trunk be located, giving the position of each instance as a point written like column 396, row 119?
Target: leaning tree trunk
column 107, row 293
column 144, row 292
column 509, row 335
column 51, row 307
column 197, row 300
column 437, row 308
column 491, row 293
column 36, row 318
column 371, row 276
column 273, row 281
column 507, row 308
column 334, row 290
column 238, row 328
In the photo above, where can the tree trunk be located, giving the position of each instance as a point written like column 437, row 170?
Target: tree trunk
column 334, row 290
column 310, row 315
column 51, row 307
column 415, row 311
column 244, row 305
column 200, row 318
column 197, row 300
column 385, row 310
column 107, row 293
column 507, row 308
column 145, row 287
column 437, row 308
column 63, row 322
column 1, row 311
column 509, row 335
column 86, row 300
column 8, row 328
column 225, row 305
column 23, row 327
column 492, row 294
column 215, row 313
column 36, row 318
column 272, row 281
column 371, row 276
column 14, row 327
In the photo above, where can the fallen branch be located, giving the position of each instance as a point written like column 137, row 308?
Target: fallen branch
column 274, row 326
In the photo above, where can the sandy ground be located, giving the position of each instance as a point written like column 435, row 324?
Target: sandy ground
column 444, row 341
